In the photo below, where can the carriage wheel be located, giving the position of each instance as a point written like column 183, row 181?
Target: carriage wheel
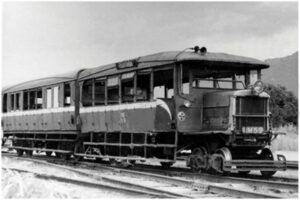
column 29, row 153
column 166, row 164
column 49, row 153
column 197, row 159
column 267, row 154
column 20, row 152
column 98, row 160
column 58, row 155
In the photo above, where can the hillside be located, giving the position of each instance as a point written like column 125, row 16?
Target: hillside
column 283, row 71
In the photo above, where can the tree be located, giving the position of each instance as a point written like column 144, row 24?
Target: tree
column 283, row 105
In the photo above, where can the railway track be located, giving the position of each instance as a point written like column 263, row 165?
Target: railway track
column 90, row 184
column 115, row 183
column 292, row 164
column 207, row 188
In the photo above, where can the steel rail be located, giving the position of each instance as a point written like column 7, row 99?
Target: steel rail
column 179, row 171
column 292, row 164
column 224, row 179
column 177, row 181
column 89, row 184
column 139, row 187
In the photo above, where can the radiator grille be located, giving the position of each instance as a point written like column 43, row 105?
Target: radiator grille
column 251, row 111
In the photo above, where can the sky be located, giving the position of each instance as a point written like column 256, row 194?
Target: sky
column 41, row 39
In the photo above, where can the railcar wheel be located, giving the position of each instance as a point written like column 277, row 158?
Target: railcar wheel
column 28, row 153
column 166, row 164
column 226, row 154
column 197, row 159
column 49, row 153
column 20, row 152
column 267, row 154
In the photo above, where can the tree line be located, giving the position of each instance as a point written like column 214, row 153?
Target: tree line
column 283, row 105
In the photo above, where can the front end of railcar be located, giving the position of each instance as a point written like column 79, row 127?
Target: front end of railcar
column 236, row 133
column 251, row 127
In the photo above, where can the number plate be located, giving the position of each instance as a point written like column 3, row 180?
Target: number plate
column 253, row 129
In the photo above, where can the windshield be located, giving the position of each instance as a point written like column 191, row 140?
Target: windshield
column 217, row 77
column 224, row 83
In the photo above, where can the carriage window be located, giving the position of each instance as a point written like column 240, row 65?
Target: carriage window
column 25, row 101
column 67, row 95
column 113, row 90
column 127, row 87
column 55, row 97
column 143, row 86
column 39, row 99
column 87, row 93
column 163, row 84
column 12, row 102
column 18, row 101
column 49, row 97
column 32, row 100
column 4, row 103
column 99, row 92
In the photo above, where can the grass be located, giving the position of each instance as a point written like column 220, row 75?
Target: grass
column 288, row 142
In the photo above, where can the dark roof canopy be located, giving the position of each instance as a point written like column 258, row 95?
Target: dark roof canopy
column 165, row 58
column 41, row 82
column 153, row 60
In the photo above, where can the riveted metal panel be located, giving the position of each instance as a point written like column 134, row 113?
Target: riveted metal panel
column 47, row 121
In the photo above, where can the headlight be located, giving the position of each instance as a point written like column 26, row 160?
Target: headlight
column 187, row 103
column 258, row 87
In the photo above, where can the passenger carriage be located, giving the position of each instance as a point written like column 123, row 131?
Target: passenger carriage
column 155, row 107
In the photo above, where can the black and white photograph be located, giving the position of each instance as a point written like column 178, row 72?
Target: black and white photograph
column 149, row 100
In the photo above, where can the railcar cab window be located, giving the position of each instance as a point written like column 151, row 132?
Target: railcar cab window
column 163, row 84
column 143, row 86
column 185, row 82
column 218, row 83
column 240, row 79
column 67, row 95
column 113, row 90
column 127, row 84
column 253, row 76
column 49, row 98
column 204, row 82
column 87, row 93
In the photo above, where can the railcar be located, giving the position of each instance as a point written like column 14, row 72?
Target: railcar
column 210, row 108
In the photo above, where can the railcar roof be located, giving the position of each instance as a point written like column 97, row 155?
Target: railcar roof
column 153, row 60
column 164, row 58
column 41, row 82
